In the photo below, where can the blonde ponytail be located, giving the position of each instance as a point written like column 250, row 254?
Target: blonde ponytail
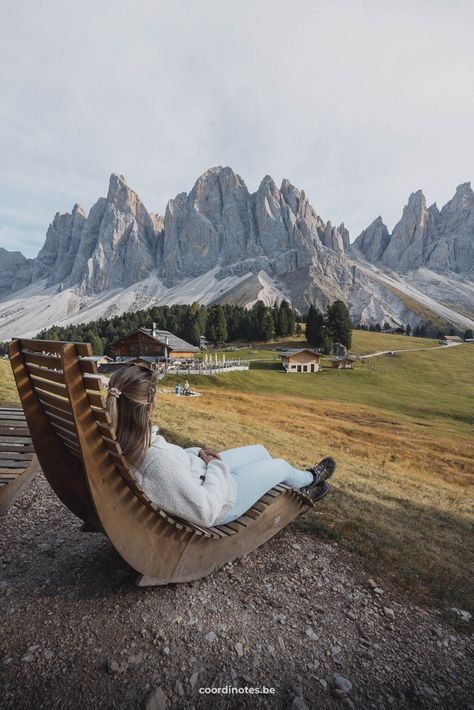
column 131, row 392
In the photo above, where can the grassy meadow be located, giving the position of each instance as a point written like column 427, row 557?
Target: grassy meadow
column 400, row 429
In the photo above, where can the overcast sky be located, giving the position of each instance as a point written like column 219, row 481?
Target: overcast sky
column 358, row 103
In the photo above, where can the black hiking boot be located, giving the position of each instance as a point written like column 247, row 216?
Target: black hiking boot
column 321, row 471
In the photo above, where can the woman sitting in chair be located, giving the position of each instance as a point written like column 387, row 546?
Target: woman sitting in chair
column 198, row 485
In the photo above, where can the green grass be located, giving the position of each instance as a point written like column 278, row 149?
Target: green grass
column 364, row 342
column 433, row 387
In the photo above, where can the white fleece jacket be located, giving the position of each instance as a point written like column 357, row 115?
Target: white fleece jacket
column 171, row 477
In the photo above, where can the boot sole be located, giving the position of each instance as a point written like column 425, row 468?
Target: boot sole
column 320, row 491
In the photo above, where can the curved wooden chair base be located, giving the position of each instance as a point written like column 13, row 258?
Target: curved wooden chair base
column 198, row 556
column 18, row 461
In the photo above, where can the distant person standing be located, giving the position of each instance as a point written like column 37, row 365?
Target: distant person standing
column 186, row 388
column 178, row 389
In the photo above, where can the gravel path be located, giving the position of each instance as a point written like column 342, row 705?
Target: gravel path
column 299, row 616
column 409, row 350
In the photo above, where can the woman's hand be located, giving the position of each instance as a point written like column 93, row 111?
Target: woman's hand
column 208, row 455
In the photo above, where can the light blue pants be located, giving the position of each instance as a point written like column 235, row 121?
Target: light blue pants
column 255, row 472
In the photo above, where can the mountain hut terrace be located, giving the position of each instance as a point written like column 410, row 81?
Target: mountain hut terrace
column 168, row 353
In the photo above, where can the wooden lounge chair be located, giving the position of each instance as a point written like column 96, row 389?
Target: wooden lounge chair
column 60, row 391
column 18, row 462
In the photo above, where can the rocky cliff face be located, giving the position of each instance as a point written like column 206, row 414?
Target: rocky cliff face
column 442, row 241
column 221, row 224
column 239, row 243
column 12, row 267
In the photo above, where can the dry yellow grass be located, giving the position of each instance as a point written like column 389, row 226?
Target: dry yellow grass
column 402, row 497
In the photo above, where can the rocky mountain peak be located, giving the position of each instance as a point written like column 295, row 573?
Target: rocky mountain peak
column 77, row 210
column 463, row 198
column 416, row 203
column 465, row 189
column 117, row 184
column 372, row 242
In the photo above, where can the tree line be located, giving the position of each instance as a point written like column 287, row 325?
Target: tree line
column 426, row 329
column 223, row 323
column 218, row 324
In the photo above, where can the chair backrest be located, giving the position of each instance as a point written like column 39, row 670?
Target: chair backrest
column 60, row 391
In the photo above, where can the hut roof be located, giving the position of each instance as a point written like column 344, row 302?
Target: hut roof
column 294, row 351
column 174, row 343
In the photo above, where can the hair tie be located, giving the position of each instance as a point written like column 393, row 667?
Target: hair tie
column 114, row 392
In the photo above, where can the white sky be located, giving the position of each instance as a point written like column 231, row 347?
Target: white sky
column 357, row 102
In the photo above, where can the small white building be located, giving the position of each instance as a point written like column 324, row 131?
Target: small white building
column 300, row 360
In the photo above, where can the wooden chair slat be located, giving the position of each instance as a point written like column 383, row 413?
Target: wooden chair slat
column 14, row 431
column 241, row 522
column 24, row 448
column 47, row 386
column 112, row 445
column 13, row 423
column 57, row 402
column 56, row 412
column 96, row 400
column 234, row 525
column 217, row 531
column 15, row 456
column 120, row 462
column 107, row 430
column 266, row 499
column 12, row 463
column 92, row 382
column 87, row 367
column 15, row 439
column 51, row 362
column 57, row 420
column 47, row 374
column 251, row 513
column 227, row 528
column 65, row 434
column 101, row 415
column 53, row 346
column 73, row 449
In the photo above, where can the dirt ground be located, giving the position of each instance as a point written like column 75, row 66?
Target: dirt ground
column 299, row 617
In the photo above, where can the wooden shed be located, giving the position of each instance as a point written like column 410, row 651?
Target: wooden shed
column 343, row 362
column 302, row 360
column 450, row 339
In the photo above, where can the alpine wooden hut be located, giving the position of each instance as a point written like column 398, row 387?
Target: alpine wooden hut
column 342, row 362
column 153, row 344
column 300, row 360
